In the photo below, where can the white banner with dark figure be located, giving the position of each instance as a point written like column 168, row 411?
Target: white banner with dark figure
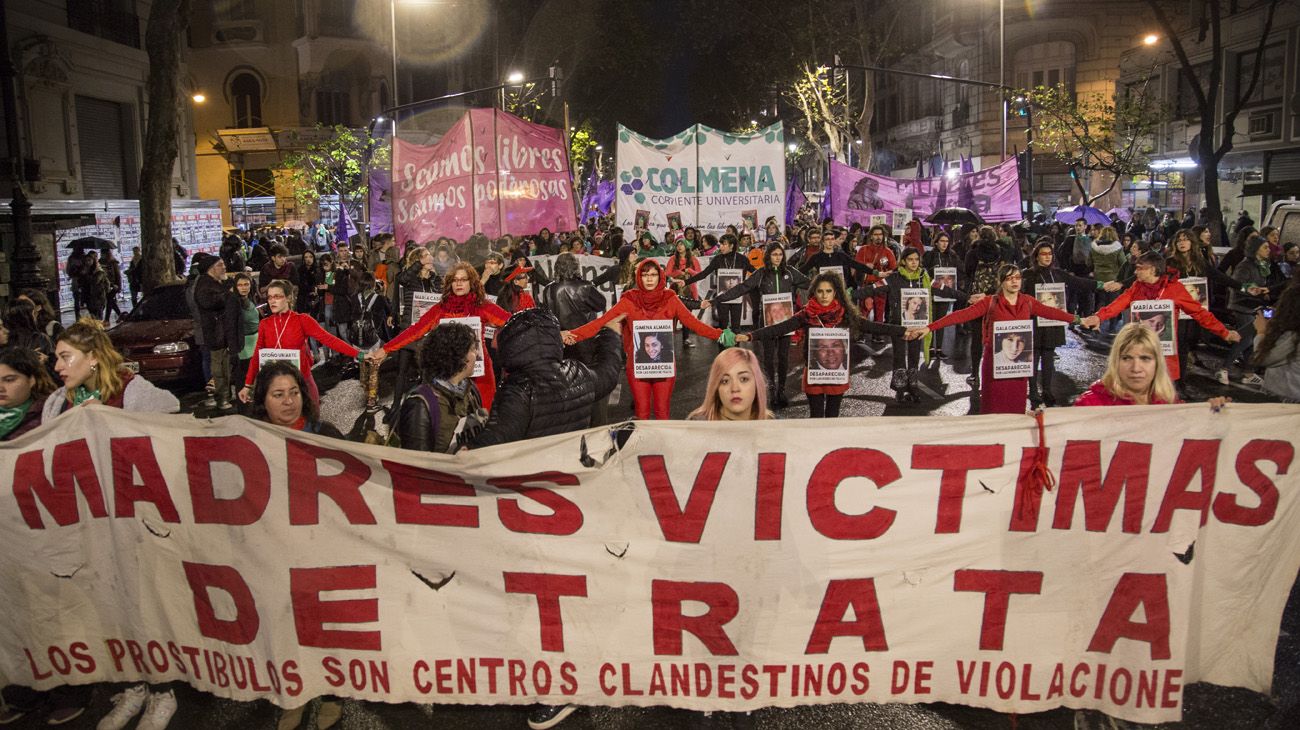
column 945, row 277
column 828, row 356
column 847, row 560
column 1013, row 349
column 916, row 307
column 1199, row 288
column 1157, row 315
column 652, row 355
column 475, row 324
column 1053, row 295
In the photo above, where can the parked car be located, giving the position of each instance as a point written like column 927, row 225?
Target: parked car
column 157, row 338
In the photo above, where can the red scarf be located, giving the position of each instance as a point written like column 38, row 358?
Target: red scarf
column 649, row 299
column 816, row 315
column 453, row 304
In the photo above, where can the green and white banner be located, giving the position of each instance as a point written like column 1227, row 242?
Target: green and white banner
column 700, row 177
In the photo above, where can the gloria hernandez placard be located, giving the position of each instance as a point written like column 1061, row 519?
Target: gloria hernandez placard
column 828, row 356
column 653, row 349
column 1156, row 315
column 1053, row 295
column 1013, row 349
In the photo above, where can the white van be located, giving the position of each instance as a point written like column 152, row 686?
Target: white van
column 1285, row 215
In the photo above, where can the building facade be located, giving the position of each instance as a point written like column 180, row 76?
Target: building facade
column 270, row 71
column 1264, row 164
column 1021, row 45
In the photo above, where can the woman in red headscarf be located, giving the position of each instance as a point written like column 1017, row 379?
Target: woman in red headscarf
column 649, row 300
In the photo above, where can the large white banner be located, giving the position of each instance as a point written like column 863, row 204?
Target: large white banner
column 711, row 566
column 701, row 177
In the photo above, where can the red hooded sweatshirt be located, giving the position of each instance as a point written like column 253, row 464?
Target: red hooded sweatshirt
column 642, row 304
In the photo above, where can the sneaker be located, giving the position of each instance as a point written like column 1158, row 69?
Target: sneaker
column 63, row 715
column 158, row 711
column 1222, row 376
column 328, row 714
column 126, row 705
column 11, row 715
column 1252, row 379
column 548, row 716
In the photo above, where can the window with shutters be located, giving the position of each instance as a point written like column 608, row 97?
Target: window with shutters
column 1046, row 64
column 332, row 107
column 102, row 140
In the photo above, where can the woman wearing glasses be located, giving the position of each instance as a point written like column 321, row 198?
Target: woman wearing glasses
column 286, row 329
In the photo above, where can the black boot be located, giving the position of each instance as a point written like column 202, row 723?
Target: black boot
column 898, row 381
column 912, row 393
column 781, row 400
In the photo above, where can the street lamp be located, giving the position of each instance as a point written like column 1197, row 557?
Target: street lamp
column 1150, row 39
column 199, row 98
column 515, row 77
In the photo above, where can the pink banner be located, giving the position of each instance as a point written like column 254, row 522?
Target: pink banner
column 993, row 193
column 492, row 173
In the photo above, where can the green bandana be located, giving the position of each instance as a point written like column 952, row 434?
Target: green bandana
column 11, row 417
column 83, row 394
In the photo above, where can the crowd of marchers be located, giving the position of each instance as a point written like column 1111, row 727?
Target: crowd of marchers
column 489, row 350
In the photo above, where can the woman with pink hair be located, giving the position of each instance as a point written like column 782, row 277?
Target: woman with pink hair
column 736, row 390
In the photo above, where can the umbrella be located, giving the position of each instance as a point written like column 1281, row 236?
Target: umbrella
column 91, row 242
column 1123, row 214
column 1086, row 213
column 954, row 216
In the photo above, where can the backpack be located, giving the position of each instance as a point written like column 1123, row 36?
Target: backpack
column 986, row 278
column 425, row 393
column 367, row 332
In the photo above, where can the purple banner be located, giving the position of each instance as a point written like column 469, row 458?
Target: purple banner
column 993, row 193
column 795, row 200
column 381, row 202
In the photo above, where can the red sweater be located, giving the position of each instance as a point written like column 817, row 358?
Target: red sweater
column 1097, row 395
column 1169, row 288
column 290, row 331
column 879, row 257
column 450, row 307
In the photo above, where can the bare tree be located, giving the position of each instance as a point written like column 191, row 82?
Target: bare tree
column 1205, row 90
column 168, row 20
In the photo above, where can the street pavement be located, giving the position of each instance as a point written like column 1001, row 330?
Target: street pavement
column 946, row 392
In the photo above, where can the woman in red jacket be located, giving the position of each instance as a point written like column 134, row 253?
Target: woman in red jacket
column 286, row 329
column 462, row 296
column 1154, row 282
column 1136, row 375
column 648, row 300
column 1004, row 395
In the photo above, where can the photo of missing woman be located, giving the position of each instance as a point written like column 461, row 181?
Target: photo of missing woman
column 916, row 307
column 1013, row 349
column 652, row 355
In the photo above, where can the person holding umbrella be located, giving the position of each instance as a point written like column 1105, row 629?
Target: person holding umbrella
column 94, row 286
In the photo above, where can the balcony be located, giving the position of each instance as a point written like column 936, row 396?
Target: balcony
column 99, row 18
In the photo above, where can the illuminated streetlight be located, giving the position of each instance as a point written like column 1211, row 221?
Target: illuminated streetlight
column 515, row 77
column 793, row 146
column 1150, row 39
column 199, row 98
column 600, row 147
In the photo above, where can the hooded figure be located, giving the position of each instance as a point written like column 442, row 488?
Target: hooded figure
column 648, row 299
column 543, row 393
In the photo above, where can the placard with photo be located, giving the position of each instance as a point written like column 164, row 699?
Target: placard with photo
column 421, row 302
column 475, row 324
column 652, row 356
column 945, row 276
column 915, row 305
column 900, row 218
column 1198, row 287
column 675, row 221
column 777, row 308
column 1053, row 295
column 880, row 219
column 749, row 220
column 279, row 354
column 1157, row 315
column 828, row 356
column 1013, row 349
column 726, row 279
column 642, row 220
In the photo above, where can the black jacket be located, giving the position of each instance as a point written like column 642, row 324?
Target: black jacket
column 218, row 313
column 409, row 282
column 764, row 281
column 573, row 301
column 416, row 430
column 849, row 266
column 733, row 260
column 544, row 394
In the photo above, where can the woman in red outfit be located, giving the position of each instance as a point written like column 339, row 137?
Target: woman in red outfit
column 1136, row 375
column 1154, row 282
column 515, row 296
column 286, row 329
column 462, row 296
column 1007, row 395
column 648, row 300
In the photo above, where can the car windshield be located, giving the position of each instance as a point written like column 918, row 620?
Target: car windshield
column 165, row 302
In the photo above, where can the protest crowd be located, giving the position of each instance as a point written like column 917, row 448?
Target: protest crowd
column 490, row 349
